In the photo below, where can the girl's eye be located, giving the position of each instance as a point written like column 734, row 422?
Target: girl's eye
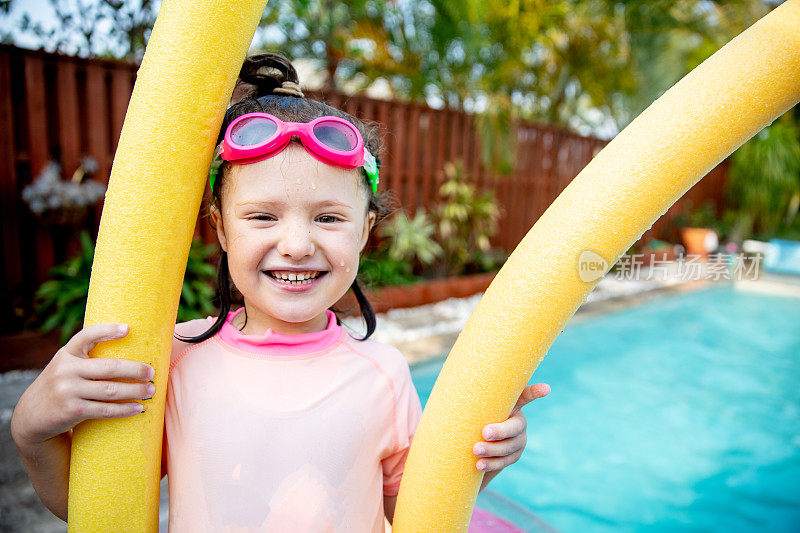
column 262, row 217
column 330, row 218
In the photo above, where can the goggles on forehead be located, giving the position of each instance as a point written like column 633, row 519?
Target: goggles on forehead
column 257, row 136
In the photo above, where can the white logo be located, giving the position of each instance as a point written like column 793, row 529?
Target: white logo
column 591, row 266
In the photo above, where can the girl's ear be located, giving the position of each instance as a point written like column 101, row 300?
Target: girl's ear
column 216, row 216
column 367, row 228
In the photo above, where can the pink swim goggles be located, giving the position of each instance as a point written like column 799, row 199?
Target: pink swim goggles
column 257, row 136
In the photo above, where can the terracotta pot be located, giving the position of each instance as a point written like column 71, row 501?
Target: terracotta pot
column 699, row 241
column 420, row 293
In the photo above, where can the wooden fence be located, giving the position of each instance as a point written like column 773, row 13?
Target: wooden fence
column 60, row 108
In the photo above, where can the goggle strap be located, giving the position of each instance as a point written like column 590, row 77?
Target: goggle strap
column 371, row 166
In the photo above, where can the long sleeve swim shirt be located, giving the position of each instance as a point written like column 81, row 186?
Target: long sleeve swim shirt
column 284, row 433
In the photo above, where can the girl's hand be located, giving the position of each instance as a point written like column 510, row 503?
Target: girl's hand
column 73, row 387
column 507, row 440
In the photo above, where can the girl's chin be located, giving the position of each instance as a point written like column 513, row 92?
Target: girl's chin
column 294, row 312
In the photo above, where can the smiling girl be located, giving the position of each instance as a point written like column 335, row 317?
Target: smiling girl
column 276, row 418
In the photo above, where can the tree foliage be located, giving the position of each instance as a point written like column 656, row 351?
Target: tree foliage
column 764, row 181
column 569, row 62
column 93, row 28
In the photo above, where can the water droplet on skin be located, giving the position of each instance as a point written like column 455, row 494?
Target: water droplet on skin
column 347, row 269
column 341, row 263
column 298, row 180
column 313, row 185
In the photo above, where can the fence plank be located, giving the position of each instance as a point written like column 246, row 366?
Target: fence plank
column 9, row 189
column 475, row 148
column 386, row 136
column 97, row 113
column 412, row 163
column 428, row 158
column 68, row 122
column 38, row 153
column 38, row 149
column 443, row 134
column 121, row 90
column 397, row 175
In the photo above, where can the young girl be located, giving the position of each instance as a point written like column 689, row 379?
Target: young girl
column 275, row 418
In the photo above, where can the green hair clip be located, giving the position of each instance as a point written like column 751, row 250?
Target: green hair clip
column 371, row 166
column 213, row 170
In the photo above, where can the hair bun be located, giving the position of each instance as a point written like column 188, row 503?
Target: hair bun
column 268, row 74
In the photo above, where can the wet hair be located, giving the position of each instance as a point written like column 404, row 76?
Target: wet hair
column 268, row 83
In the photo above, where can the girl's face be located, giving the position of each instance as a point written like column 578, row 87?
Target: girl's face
column 287, row 215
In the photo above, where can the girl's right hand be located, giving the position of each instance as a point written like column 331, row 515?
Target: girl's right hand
column 74, row 387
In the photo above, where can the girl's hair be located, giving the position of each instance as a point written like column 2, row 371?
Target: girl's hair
column 260, row 91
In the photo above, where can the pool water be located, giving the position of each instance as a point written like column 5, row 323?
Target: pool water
column 681, row 414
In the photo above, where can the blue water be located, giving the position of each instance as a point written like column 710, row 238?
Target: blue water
column 682, row 414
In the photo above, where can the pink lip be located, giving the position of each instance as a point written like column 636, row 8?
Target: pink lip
column 295, row 288
column 294, row 269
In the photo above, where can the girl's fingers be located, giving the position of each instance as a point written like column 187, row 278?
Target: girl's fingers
column 115, row 390
column 532, row 392
column 515, row 425
column 105, row 367
column 497, row 463
column 539, row 390
column 108, row 368
column 500, row 448
column 87, row 338
column 86, row 409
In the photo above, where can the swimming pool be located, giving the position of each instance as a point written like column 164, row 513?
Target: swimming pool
column 679, row 414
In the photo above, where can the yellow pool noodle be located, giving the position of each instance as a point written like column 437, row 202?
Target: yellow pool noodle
column 184, row 84
column 685, row 133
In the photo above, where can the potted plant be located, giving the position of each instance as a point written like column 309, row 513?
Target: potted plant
column 58, row 202
column 466, row 220
column 697, row 230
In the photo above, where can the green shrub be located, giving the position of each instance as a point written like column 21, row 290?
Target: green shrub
column 703, row 216
column 410, row 239
column 60, row 302
column 764, row 181
column 199, row 283
column 377, row 269
column 466, row 219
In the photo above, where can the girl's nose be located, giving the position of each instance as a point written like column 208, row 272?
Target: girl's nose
column 296, row 242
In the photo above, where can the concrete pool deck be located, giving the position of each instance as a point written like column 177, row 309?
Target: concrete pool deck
column 430, row 331
column 421, row 334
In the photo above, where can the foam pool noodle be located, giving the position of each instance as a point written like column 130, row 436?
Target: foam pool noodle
column 160, row 168
column 709, row 113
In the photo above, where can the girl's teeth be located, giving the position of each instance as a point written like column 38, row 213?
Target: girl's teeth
column 291, row 278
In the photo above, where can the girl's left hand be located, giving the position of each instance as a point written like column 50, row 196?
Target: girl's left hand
column 506, row 441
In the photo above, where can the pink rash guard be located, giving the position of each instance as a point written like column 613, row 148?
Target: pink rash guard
column 277, row 433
